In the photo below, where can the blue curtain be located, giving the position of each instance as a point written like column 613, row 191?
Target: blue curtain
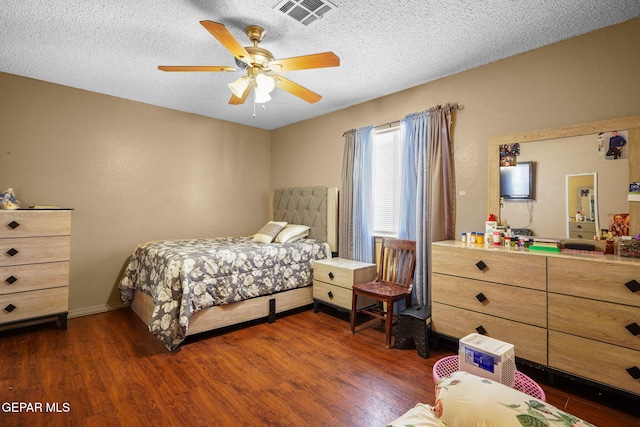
column 407, row 228
column 362, row 195
column 428, row 200
column 414, row 206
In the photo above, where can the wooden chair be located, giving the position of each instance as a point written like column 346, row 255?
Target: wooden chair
column 393, row 283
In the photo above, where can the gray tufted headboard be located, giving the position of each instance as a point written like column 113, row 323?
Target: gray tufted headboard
column 316, row 207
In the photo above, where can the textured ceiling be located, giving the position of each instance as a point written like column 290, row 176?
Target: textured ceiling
column 114, row 46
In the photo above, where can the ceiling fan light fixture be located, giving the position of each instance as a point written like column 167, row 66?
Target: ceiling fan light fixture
column 265, row 83
column 238, row 87
column 260, row 64
column 261, row 97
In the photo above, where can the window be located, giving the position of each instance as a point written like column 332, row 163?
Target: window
column 387, row 181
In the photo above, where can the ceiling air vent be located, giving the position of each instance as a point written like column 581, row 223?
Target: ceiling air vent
column 305, row 11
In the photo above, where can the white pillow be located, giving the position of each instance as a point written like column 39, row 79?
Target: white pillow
column 268, row 232
column 292, row 232
column 464, row 400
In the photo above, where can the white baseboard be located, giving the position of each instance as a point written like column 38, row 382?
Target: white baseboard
column 87, row 311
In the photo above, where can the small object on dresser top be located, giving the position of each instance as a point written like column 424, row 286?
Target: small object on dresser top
column 544, row 248
column 44, row 207
column 580, row 246
column 8, row 200
column 609, row 249
column 543, row 244
column 629, row 247
column 578, row 251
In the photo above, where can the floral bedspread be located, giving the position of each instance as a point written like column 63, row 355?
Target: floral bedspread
column 185, row 276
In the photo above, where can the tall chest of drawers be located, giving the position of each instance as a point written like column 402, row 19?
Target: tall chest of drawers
column 34, row 266
column 576, row 314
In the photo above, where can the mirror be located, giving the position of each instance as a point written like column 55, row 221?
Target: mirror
column 548, row 212
column 582, row 206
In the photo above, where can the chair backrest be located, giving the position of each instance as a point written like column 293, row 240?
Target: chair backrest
column 397, row 261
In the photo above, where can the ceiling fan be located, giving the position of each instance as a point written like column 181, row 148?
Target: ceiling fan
column 260, row 65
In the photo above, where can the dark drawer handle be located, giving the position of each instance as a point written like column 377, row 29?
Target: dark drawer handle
column 633, row 285
column 10, row 308
column 12, row 252
column 13, row 225
column 331, row 275
column 634, row 328
column 634, row 372
column 11, row 280
column 481, row 330
column 330, row 294
column 481, row 265
column 480, row 297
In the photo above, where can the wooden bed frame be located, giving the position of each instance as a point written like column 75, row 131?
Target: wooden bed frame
column 316, row 207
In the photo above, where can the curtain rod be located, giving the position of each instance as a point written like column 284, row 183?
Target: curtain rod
column 452, row 105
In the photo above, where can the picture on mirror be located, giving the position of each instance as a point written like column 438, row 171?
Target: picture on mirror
column 619, row 224
column 508, row 154
column 612, row 145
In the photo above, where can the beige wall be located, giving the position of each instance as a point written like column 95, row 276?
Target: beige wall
column 132, row 172
column 588, row 78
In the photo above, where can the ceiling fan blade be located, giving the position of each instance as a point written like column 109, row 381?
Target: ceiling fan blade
column 214, row 68
column 237, row 101
column 305, row 62
column 297, row 90
column 220, row 32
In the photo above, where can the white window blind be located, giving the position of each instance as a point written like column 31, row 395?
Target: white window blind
column 386, row 181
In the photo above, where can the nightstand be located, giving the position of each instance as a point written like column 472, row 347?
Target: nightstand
column 333, row 279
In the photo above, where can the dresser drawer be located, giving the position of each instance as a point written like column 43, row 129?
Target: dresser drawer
column 33, row 250
column 343, row 272
column 604, row 363
column 33, row 304
column 511, row 302
column 337, row 296
column 582, row 235
column 512, row 268
column 582, row 230
column 594, row 279
column 530, row 341
column 602, row 321
column 21, row 278
column 33, row 223
column 582, row 226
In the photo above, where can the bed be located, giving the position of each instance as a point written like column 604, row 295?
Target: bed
column 185, row 287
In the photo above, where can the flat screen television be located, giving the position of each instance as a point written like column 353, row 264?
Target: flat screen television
column 516, row 182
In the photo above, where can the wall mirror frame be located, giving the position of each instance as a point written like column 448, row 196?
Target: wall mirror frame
column 632, row 124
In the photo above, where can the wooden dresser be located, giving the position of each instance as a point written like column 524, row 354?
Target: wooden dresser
column 34, row 266
column 576, row 314
column 333, row 279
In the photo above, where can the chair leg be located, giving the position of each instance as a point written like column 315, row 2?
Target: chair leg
column 389, row 323
column 354, row 301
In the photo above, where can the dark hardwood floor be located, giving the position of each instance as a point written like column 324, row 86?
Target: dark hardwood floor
column 306, row 369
